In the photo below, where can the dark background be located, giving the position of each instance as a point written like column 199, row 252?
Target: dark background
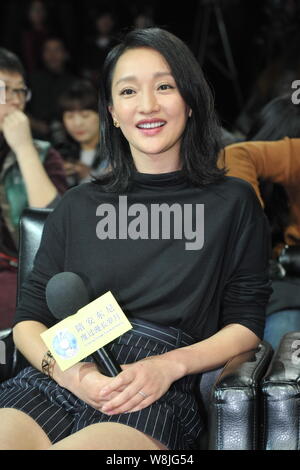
column 262, row 38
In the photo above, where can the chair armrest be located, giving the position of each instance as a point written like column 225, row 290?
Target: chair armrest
column 281, row 396
column 234, row 402
column 8, row 355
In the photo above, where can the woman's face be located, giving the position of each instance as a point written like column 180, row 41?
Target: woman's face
column 83, row 126
column 148, row 106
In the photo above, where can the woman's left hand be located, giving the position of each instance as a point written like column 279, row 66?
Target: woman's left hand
column 145, row 382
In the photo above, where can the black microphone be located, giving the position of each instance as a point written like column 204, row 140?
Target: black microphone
column 66, row 293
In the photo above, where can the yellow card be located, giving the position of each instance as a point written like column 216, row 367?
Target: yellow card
column 91, row 328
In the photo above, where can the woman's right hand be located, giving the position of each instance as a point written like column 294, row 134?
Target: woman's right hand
column 85, row 382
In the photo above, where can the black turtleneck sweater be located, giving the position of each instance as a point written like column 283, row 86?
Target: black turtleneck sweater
column 157, row 272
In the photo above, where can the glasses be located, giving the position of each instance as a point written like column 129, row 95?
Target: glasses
column 8, row 94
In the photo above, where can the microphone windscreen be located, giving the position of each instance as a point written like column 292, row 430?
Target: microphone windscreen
column 66, row 293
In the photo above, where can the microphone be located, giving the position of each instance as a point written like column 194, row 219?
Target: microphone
column 66, row 293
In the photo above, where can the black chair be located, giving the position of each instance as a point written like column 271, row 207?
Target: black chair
column 281, row 397
column 229, row 396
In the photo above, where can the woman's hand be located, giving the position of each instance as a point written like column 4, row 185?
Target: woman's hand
column 86, row 382
column 77, row 168
column 143, row 383
column 16, row 130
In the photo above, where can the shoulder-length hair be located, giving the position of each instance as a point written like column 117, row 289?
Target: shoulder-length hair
column 81, row 95
column 201, row 140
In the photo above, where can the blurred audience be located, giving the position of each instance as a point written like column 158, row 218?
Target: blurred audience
column 80, row 149
column 97, row 46
column 273, row 168
column 34, row 35
column 143, row 17
column 47, row 85
column 31, row 174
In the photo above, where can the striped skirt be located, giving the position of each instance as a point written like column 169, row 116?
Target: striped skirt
column 174, row 419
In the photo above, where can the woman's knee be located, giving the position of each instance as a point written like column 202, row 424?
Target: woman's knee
column 18, row 431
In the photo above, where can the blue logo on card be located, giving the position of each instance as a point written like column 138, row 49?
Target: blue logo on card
column 65, row 344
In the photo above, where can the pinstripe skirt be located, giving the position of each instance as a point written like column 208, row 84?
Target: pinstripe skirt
column 174, row 419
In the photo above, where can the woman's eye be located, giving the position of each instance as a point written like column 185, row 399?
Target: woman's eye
column 165, row 86
column 127, row 91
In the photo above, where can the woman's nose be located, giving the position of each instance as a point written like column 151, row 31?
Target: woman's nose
column 148, row 103
column 77, row 121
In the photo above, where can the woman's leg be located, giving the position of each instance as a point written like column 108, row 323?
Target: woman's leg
column 18, row 431
column 280, row 323
column 108, row 436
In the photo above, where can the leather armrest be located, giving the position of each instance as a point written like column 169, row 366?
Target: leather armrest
column 234, row 403
column 281, row 396
column 8, row 355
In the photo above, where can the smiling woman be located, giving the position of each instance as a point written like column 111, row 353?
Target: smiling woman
column 192, row 306
column 148, row 104
column 145, row 83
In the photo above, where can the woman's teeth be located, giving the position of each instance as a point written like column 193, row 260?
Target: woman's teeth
column 152, row 125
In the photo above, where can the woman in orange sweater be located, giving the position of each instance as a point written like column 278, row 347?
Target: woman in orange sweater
column 270, row 162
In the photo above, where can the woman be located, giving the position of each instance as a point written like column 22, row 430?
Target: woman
column 204, row 297
column 274, row 171
column 79, row 113
column 31, row 175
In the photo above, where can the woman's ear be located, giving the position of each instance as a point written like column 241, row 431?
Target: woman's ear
column 116, row 124
column 111, row 110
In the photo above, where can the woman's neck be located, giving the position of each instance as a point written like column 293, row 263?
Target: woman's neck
column 91, row 144
column 157, row 164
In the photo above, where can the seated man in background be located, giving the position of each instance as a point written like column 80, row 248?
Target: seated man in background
column 31, row 174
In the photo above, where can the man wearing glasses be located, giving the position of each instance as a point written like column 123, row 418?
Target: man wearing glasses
column 31, row 174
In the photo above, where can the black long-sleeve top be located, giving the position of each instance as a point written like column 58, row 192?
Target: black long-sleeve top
column 155, row 277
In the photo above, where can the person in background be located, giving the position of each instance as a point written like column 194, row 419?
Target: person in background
column 192, row 308
column 34, row 36
column 78, row 107
column 96, row 47
column 31, row 175
column 273, row 168
column 47, row 85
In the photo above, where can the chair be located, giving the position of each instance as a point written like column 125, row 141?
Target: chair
column 228, row 396
column 281, row 397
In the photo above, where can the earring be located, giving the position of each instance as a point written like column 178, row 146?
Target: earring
column 190, row 113
column 116, row 124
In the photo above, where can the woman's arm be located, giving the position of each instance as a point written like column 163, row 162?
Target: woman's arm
column 275, row 161
column 40, row 189
column 215, row 351
column 27, row 339
column 83, row 379
column 154, row 375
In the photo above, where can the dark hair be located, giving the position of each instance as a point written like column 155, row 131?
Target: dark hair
column 11, row 63
column 201, row 138
column 278, row 119
column 81, row 95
